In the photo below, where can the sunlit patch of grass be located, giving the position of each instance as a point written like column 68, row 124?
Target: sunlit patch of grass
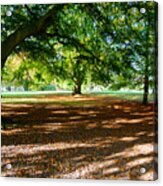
column 133, row 97
column 68, row 99
column 33, row 94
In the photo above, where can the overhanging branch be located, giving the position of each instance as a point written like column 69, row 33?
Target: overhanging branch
column 26, row 30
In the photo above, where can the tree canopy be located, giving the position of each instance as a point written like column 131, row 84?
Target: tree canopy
column 113, row 44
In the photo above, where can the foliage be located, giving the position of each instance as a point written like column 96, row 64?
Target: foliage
column 111, row 44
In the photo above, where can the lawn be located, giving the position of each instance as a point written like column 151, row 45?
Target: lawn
column 36, row 96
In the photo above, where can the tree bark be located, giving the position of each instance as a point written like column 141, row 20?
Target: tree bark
column 77, row 88
column 26, row 30
column 147, row 62
column 146, row 88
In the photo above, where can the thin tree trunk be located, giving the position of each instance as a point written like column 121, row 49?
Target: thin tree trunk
column 146, row 88
column 146, row 73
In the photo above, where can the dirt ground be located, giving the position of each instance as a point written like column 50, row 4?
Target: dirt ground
column 79, row 137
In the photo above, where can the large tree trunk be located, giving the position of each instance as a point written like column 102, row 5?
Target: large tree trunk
column 77, row 88
column 33, row 28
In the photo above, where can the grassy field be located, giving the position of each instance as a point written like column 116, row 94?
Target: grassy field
column 40, row 96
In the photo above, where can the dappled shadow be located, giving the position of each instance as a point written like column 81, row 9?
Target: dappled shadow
column 104, row 138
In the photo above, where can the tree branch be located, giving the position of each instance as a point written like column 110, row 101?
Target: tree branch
column 30, row 11
column 24, row 31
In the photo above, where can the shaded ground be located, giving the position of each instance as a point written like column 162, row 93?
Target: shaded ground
column 79, row 137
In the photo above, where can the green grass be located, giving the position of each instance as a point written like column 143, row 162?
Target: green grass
column 31, row 97
column 117, row 92
column 32, row 94
column 133, row 97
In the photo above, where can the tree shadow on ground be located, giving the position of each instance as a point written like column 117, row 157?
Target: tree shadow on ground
column 112, row 140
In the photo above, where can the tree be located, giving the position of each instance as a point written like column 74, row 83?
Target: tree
column 109, row 41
